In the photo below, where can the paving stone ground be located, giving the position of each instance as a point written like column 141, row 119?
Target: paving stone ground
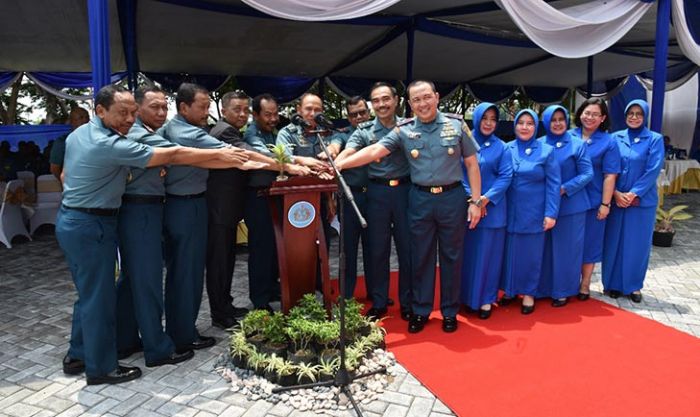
column 37, row 294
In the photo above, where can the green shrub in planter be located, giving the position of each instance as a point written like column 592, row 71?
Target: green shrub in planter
column 301, row 332
column 273, row 363
column 286, row 373
column 257, row 361
column 308, row 308
column 355, row 321
column 328, row 368
column 275, row 335
column 253, row 324
column 327, row 334
column 306, row 373
column 240, row 349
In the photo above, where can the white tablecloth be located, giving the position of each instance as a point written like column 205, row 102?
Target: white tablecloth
column 676, row 168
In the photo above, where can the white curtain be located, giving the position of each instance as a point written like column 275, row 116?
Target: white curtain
column 648, row 83
column 578, row 31
column 56, row 92
column 318, row 10
column 680, row 112
column 685, row 39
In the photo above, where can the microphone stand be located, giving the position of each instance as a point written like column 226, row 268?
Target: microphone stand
column 342, row 379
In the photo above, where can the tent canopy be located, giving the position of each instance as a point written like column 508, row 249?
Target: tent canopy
column 453, row 41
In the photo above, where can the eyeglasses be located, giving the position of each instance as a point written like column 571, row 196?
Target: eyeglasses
column 357, row 113
column 591, row 115
column 525, row 124
column 635, row 115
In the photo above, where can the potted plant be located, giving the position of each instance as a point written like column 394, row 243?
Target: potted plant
column 279, row 154
column 306, row 373
column 257, row 362
column 253, row 324
column 273, row 363
column 308, row 308
column 355, row 322
column 275, row 336
column 286, row 373
column 240, row 349
column 376, row 336
column 663, row 230
column 328, row 368
column 327, row 335
column 301, row 333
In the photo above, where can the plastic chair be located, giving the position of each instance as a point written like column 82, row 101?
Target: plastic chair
column 11, row 223
column 48, row 201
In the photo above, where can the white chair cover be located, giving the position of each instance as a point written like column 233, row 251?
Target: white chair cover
column 11, row 223
column 47, row 202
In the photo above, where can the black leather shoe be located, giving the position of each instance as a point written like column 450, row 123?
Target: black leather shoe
column 376, row 313
column 117, row 376
column 406, row 314
column 390, row 302
column 560, row 302
column 636, row 297
column 224, row 323
column 202, row 342
column 267, row 307
column 240, row 312
column 172, row 359
column 73, row 366
column 614, row 294
column 527, row 309
column 125, row 353
column 484, row 314
column 582, row 296
column 504, row 301
column 417, row 323
column 449, row 324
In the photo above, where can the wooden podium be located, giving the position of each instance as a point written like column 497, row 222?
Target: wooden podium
column 295, row 205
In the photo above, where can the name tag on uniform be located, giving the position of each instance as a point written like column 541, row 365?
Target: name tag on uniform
column 413, row 135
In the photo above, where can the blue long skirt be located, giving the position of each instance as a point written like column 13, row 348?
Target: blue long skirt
column 593, row 238
column 482, row 265
column 627, row 247
column 563, row 254
column 522, row 265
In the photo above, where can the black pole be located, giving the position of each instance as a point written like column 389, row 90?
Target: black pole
column 589, row 78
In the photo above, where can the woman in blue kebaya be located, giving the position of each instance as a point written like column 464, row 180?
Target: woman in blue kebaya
column 563, row 249
column 484, row 246
column 631, row 221
column 533, row 204
column 592, row 121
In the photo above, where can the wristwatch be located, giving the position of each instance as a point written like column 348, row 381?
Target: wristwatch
column 476, row 202
column 606, row 205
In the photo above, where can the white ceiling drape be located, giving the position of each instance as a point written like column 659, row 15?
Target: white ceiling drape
column 318, row 10
column 685, row 39
column 578, row 31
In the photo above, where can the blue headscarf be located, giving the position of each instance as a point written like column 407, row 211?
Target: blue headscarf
column 645, row 109
column 547, row 115
column 479, row 113
column 534, row 117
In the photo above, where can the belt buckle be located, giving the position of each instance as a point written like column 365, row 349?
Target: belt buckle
column 435, row 190
column 393, row 183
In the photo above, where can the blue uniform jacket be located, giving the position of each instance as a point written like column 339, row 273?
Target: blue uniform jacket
column 181, row 179
column 575, row 166
column 605, row 157
column 96, row 165
column 259, row 140
column 496, row 166
column 146, row 181
column 391, row 166
column 355, row 177
column 642, row 156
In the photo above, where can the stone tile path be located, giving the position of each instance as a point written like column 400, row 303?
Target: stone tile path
column 36, row 297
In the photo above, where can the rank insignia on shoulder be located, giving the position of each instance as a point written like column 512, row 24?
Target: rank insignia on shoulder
column 364, row 125
column 466, row 130
column 405, row 121
column 454, row 116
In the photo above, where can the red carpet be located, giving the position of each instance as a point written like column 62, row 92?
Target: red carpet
column 585, row 359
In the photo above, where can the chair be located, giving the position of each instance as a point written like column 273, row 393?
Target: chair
column 29, row 181
column 11, row 223
column 48, row 201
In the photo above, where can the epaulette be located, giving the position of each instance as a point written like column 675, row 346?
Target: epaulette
column 405, row 121
column 365, row 125
column 454, row 116
column 293, row 128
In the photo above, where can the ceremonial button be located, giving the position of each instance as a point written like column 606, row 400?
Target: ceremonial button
column 450, row 151
column 559, row 144
column 415, row 153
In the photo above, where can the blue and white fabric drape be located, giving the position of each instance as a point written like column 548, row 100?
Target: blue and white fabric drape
column 318, row 10
column 689, row 44
column 601, row 23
